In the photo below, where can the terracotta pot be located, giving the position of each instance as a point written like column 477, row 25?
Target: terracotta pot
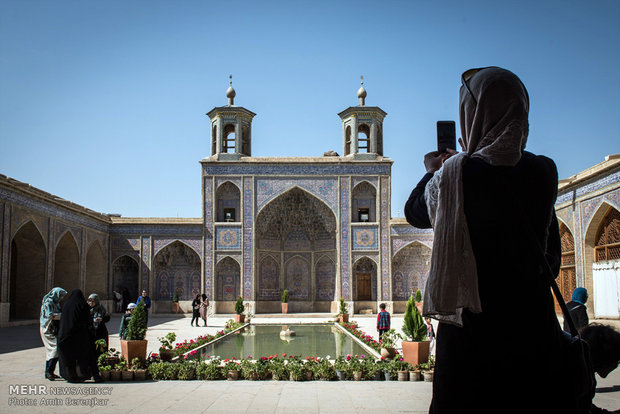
column 357, row 375
column 239, row 318
column 233, row 375
column 253, row 376
column 388, row 352
column 415, row 352
column 428, row 376
column 343, row 318
column 176, row 308
column 133, row 349
column 415, row 376
column 403, row 375
column 127, row 375
column 139, row 375
column 166, row 354
column 105, row 375
column 308, row 375
column 115, row 375
column 284, row 307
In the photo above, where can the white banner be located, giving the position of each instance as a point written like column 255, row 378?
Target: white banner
column 606, row 279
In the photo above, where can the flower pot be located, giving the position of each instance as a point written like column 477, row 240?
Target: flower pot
column 115, row 375
column 428, row 376
column 133, row 349
column 176, row 308
column 378, row 376
column 105, row 375
column 239, row 318
column 253, row 376
column 284, row 307
column 415, row 352
column 166, row 354
column 127, row 375
column 403, row 375
column 388, row 375
column 139, row 375
column 341, row 374
column 308, row 375
column 415, row 376
column 388, row 352
column 233, row 375
column 357, row 375
column 343, row 318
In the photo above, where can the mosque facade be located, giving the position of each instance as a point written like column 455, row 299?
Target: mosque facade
column 319, row 227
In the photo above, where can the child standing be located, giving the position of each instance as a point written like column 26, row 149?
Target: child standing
column 383, row 320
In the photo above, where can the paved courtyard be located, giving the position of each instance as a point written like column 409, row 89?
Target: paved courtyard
column 22, row 359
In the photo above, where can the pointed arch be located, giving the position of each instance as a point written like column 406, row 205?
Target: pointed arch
column 176, row 268
column 67, row 263
column 567, row 280
column 365, row 279
column 410, row 268
column 325, row 271
column 228, row 202
column 125, row 278
column 268, row 278
column 297, row 270
column 96, row 270
column 227, row 280
column 364, row 202
column 27, row 286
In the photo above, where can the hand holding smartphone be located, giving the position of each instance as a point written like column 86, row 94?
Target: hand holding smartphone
column 446, row 136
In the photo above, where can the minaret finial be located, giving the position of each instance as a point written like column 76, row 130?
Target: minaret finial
column 361, row 93
column 230, row 93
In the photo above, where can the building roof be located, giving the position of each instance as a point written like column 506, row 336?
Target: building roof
column 611, row 162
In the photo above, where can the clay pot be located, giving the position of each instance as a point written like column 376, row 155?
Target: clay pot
column 388, row 352
column 105, row 375
column 415, row 376
column 139, row 375
column 133, row 349
column 127, row 375
column 403, row 375
column 415, row 352
column 357, row 375
column 233, row 375
column 115, row 375
column 428, row 376
column 240, row 318
column 343, row 318
column 284, row 307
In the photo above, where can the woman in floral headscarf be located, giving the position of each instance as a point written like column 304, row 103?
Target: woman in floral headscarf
column 492, row 355
column 50, row 316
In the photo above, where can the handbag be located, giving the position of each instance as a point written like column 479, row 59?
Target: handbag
column 578, row 375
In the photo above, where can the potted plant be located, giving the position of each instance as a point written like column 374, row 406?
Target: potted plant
column 324, row 369
column 355, row 367
column 138, row 365
column 296, row 370
column 428, row 369
column 209, row 370
column 231, row 368
column 278, row 368
column 284, row 300
column 415, row 351
column 341, row 366
column 388, row 343
column 113, row 357
column 402, row 369
column 187, row 371
column 135, row 344
column 175, row 302
column 343, row 313
column 239, row 308
column 165, row 350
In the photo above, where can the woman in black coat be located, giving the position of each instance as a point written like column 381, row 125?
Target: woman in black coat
column 76, row 350
column 99, row 318
column 492, row 211
column 196, row 310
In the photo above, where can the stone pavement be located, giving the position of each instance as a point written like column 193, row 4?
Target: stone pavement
column 22, row 359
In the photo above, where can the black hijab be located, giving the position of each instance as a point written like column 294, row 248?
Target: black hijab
column 74, row 321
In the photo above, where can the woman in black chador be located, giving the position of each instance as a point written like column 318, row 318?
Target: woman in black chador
column 195, row 310
column 491, row 208
column 76, row 349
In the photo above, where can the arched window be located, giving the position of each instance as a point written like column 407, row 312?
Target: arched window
column 347, row 140
column 567, row 281
column 364, row 203
column 363, row 138
column 607, row 245
column 227, row 199
column 228, row 144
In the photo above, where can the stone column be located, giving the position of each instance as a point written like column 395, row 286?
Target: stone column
column 373, row 138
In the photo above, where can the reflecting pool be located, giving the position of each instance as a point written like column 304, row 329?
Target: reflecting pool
column 265, row 340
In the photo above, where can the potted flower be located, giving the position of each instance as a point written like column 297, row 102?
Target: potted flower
column 296, row 369
column 135, row 344
column 278, row 368
column 343, row 313
column 341, row 366
column 231, row 367
column 388, row 343
column 309, row 365
column 284, row 300
column 355, row 367
column 187, row 371
column 323, row 369
column 138, row 366
column 165, row 350
column 428, row 369
column 415, row 350
column 123, row 368
column 239, row 308
column 175, row 302
column 209, row 370
column 402, row 369
column 104, row 368
column 389, row 369
column 113, row 357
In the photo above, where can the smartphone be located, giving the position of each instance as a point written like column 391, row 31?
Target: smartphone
column 446, row 135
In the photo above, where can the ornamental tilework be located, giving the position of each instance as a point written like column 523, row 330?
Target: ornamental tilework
column 21, row 216
column 132, row 243
column 228, row 238
column 194, row 242
column 365, row 238
column 208, row 235
column 268, row 278
column 325, row 270
column 310, row 169
column 326, row 189
column 344, row 239
column 297, row 270
column 248, row 218
column 399, row 243
column 385, row 239
column 146, row 262
column 61, row 228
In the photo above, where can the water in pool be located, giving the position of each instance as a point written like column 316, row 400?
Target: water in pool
column 265, row 340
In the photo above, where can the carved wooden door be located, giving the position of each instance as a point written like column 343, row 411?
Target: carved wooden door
column 363, row 286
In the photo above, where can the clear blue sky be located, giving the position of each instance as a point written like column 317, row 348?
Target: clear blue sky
column 103, row 102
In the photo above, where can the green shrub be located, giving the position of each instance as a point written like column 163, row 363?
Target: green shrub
column 285, row 296
column 413, row 324
column 137, row 325
column 239, row 306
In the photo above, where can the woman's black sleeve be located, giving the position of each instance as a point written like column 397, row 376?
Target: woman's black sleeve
column 415, row 208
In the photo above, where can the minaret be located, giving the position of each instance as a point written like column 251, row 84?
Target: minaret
column 362, row 128
column 231, row 129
